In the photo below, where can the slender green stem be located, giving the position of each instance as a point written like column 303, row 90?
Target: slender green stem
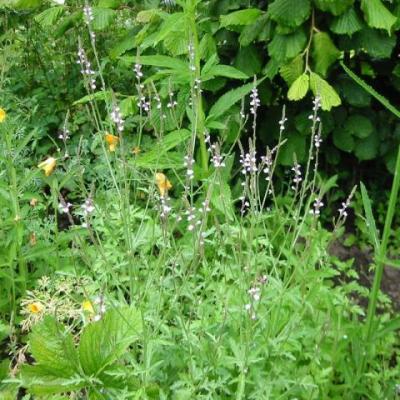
column 381, row 253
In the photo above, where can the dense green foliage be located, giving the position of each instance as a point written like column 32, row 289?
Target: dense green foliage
column 166, row 189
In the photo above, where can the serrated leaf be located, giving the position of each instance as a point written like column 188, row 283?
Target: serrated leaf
column 176, row 43
column 376, row 43
column 299, row 87
column 251, row 32
column 123, row 45
column 286, row 47
column 325, row 53
column 105, row 341
column 53, row 349
column 347, row 23
column 291, row 71
column 248, row 60
column 290, row 12
column 159, row 61
column 241, row 17
column 102, row 18
column 336, row 7
column 226, row 101
column 50, row 16
column 377, row 15
column 221, row 200
column 293, row 149
column 100, row 95
column 328, row 95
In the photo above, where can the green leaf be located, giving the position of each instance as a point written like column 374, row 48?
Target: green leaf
column 158, row 157
column 371, row 91
column 286, row 47
column 347, row 23
column 241, row 17
column 248, row 60
column 325, row 53
column 221, row 199
column 251, row 32
column 105, row 341
column 100, row 95
column 299, row 88
column 27, row 4
column 224, row 70
column 124, row 44
column 320, row 87
column 377, row 15
column 50, row 16
column 336, row 7
column 343, row 140
column 294, row 148
column 290, row 12
column 291, row 71
column 102, row 18
column 368, row 148
column 226, row 101
column 371, row 225
column 53, row 349
column 376, row 43
column 359, row 125
column 159, row 61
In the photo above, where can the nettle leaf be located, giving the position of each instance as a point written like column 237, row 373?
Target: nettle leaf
column 105, row 341
column 291, row 71
column 53, row 349
column 50, row 16
column 251, row 32
column 241, row 17
column 325, row 53
column 376, row 43
column 377, row 15
column 176, row 43
column 102, row 18
column 359, row 125
column 335, row 7
column 299, row 88
column 290, row 12
column 347, row 23
column 286, row 47
column 320, row 87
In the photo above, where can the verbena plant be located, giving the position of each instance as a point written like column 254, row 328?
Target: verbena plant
column 231, row 289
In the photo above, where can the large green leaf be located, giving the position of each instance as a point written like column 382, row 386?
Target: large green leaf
column 347, row 23
column 358, row 125
column 290, row 12
column 172, row 63
column 50, row 16
column 343, row 140
column 224, row 70
column 320, row 87
column 377, row 15
column 102, row 18
column 376, row 43
column 291, row 71
column 286, row 47
column 159, row 157
column 53, row 349
column 241, row 17
column 336, row 7
column 368, row 148
column 226, row 101
column 325, row 53
column 105, row 341
column 299, row 88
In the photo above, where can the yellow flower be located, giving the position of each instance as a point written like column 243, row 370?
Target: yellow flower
column 87, row 306
column 3, row 115
column 35, row 308
column 136, row 150
column 112, row 141
column 163, row 183
column 48, row 165
column 33, row 202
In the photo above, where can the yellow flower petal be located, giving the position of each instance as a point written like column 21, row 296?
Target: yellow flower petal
column 112, row 141
column 136, row 150
column 88, row 306
column 35, row 308
column 3, row 115
column 48, row 165
column 163, row 183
